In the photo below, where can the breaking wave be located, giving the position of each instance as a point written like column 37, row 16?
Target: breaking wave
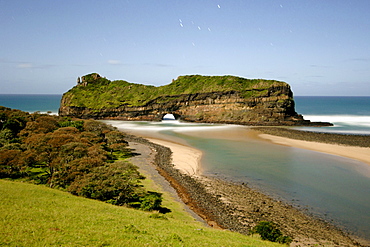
column 173, row 125
column 351, row 124
column 353, row 120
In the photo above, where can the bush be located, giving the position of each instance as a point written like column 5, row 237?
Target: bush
column 151, row 201
column 269, row 231
column 69, row 123
column 117, row 183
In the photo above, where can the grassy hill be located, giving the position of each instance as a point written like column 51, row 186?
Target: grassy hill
column 33, row 215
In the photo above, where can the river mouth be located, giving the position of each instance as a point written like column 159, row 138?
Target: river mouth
column 330, row 187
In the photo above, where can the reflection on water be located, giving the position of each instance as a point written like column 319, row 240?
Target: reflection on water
column 331, row 186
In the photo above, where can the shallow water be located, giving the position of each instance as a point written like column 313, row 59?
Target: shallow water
column 325, row 184
column 328, row 186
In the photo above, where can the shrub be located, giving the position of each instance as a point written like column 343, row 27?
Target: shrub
column 117, row 183
column 269, row 231
column 69, row 123
column 151, row 201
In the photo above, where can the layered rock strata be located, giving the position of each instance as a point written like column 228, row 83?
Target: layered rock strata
column 189, row 98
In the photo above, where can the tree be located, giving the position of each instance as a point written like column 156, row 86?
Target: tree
column 43, row 124
column 6, row 136
column 45, row 150
column 13, row 120
column 115, row 136
column 96, row 127
column 10, row 164
column 115, row 141
column 70, row 123
column 73, row 155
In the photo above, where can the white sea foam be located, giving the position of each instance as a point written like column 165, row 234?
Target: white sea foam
column 42, row 112
column 350, row 124
column 173, row 125
column 340, row 120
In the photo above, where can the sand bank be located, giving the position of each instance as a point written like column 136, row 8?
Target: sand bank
column 237, row 207
column 184, row 158
column 357, row 153
column 187, row 159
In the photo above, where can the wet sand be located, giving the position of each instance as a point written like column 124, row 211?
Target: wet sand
column 185, row 158
column 357, row 153
column 349, row 146
column 356, row 147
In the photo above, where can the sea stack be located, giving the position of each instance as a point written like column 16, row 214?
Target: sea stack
column 192, row 98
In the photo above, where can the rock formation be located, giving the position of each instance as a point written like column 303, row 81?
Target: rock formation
column 195, row 98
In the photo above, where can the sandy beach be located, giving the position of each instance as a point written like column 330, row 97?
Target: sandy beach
column 185, row 158
column 357, row 153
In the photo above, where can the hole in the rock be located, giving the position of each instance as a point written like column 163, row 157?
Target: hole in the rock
column 169, row 117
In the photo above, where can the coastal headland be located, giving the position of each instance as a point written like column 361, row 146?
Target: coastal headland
column 237, row 207
column 191, row 98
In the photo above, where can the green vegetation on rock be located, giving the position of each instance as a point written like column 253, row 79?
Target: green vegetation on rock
column 99, row 93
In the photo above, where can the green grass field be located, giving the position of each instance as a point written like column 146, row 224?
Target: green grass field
column 34, row 215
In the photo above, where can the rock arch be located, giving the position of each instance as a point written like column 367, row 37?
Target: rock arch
column 169, row 116
column 195, row 98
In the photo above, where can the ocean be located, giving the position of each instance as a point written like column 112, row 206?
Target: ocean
column 350, row 115
column 331, row 187
column 32, row 102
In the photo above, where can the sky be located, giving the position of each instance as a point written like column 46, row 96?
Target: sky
column 319, row 47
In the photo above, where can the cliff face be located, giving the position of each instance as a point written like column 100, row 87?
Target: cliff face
column 203, row 99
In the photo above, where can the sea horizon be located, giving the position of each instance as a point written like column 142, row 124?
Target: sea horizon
column 349, row 114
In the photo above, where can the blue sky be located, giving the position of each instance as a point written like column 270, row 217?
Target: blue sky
column 318, row 47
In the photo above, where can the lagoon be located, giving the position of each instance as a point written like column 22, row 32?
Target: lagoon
column 328, row 186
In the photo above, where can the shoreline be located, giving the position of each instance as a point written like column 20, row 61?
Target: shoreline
column 357, row 153
column 236, row 207
column 347, row 140
column 185, row 158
